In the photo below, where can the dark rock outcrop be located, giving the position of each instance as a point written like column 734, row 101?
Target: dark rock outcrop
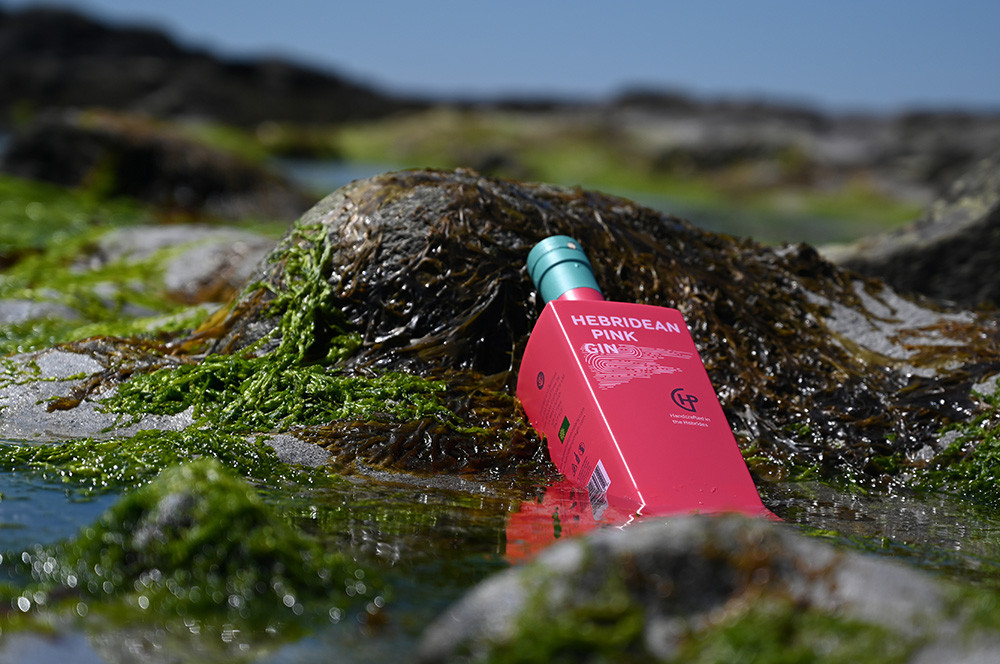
column 53, row 58
column 817, row 367
column 950, row 254
column 134, row 156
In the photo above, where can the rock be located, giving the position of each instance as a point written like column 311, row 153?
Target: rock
column 54, row 58
column 136, row 157
column 50, row 396
column 197, row 538
column 297, row 451
column 815, row 366
column 21, row 311
column 659, row 589
column 55, row 395
column 210, row 263
column 949, row 254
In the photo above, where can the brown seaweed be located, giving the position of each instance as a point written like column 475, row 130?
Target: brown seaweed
column 816, row 367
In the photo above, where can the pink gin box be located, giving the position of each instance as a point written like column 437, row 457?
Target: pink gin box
column 624, row 401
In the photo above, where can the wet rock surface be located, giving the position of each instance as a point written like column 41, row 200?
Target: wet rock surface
column 949, row 253
column 211, row 264
column 21, row 310
column 46, row 401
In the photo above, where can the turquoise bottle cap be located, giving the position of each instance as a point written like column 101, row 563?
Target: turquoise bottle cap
column 558, row 265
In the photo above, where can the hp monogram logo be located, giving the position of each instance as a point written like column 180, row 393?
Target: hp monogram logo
column 683, row 399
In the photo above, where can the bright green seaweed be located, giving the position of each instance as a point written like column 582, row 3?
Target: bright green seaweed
column 297, row 382
column 129, row 462
column 970, row 465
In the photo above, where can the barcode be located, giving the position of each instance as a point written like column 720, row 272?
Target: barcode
column 597, row 489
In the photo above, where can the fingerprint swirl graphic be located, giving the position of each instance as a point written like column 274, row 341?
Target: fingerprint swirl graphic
column 617, row 364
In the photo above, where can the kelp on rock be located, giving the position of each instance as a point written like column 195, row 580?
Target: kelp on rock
column 416, row 278
column 817, row 368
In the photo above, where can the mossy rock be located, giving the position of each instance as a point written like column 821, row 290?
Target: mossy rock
column 712, row 589
column 816, row 367
column 201, row 543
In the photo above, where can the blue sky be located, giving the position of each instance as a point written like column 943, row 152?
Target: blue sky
column 851, row 54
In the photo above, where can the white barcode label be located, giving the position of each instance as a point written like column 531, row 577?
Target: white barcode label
column 597, row 489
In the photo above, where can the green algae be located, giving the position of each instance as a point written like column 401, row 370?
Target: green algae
column 119, row 463
column 423, row 267
column 309, row 326
column 270, row 394
column 970, row 466
column 296, row 382
column 198, row 544
column 122, row 297
column 609, row 626
column 48, row 236
column 975, row 607
column 292, row 377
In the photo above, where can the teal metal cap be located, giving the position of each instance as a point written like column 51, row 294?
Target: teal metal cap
column 557, row 265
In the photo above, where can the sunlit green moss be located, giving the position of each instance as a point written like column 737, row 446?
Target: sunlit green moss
column 298, row 382
column 272, row 394
column 609, row 628
column 102, row 301
column 47, row 240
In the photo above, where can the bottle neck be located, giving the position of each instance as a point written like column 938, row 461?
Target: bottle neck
column 583, row 293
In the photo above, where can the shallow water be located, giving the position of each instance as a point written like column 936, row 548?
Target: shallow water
column 326, row 175
column 431, row 544
column 35, row 511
